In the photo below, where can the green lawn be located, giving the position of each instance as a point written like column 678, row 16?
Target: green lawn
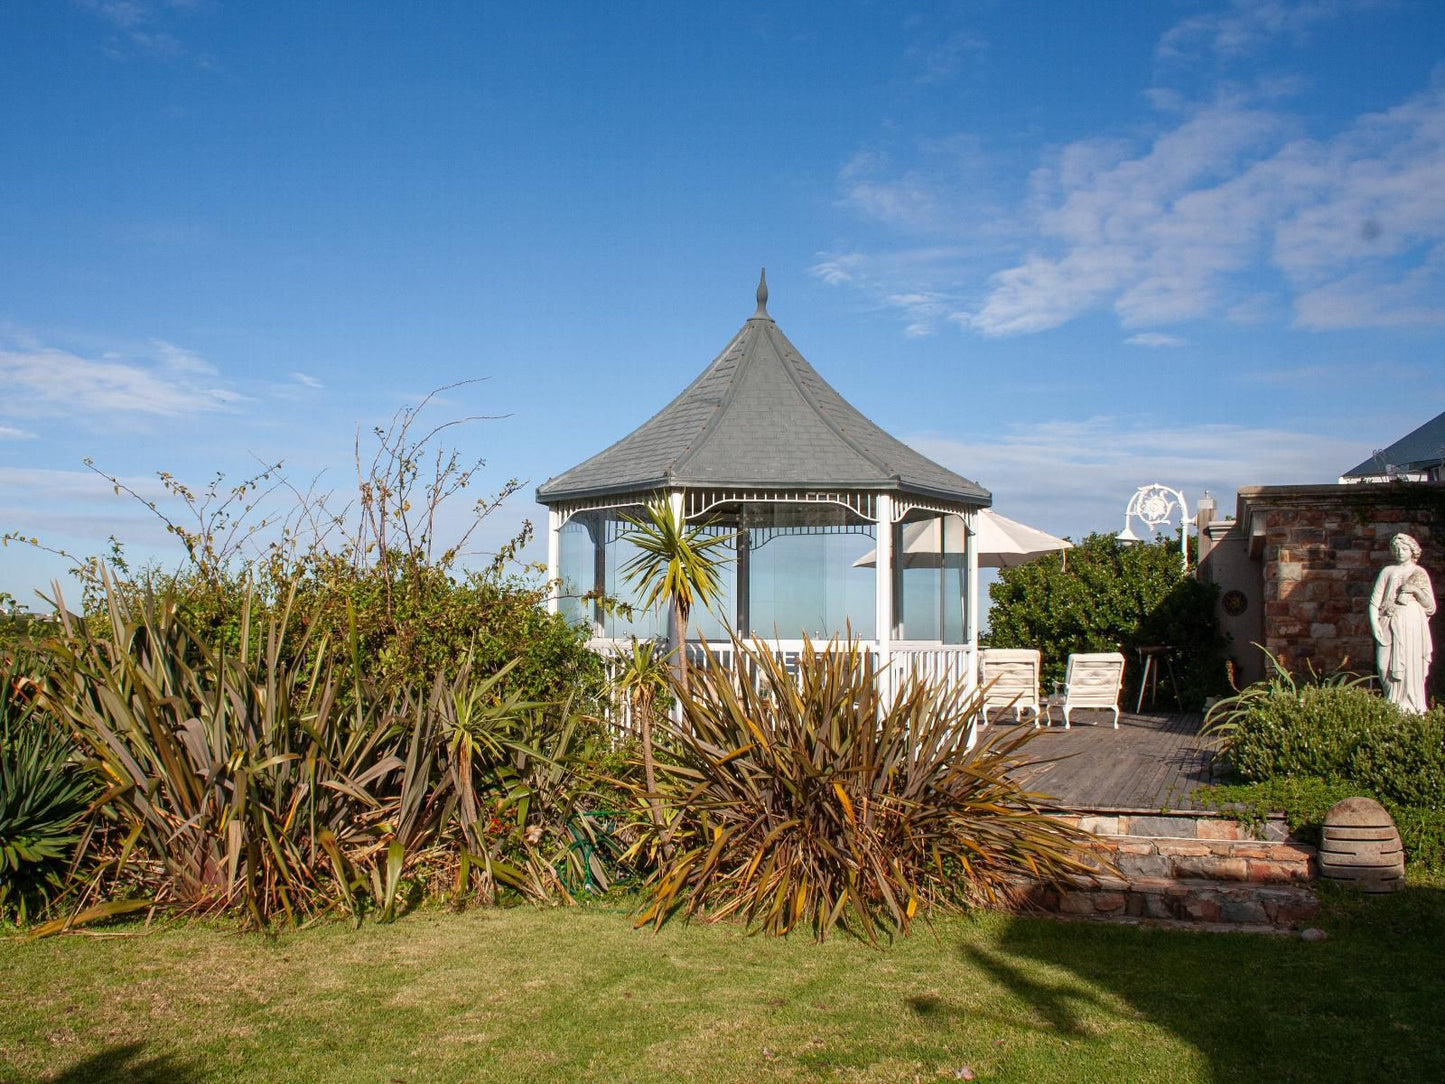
column 562, row 995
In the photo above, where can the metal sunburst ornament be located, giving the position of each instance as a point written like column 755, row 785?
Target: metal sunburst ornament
column 1155, row 505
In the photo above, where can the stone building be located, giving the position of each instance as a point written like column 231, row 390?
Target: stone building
column 1296, row 564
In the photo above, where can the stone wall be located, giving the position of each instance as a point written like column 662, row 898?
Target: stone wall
column 1319, row 549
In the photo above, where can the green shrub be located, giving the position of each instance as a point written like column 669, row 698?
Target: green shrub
column 1422, row 831
column 1337, row 730
column 409, row 621
column 374, row 580
column 1300, row 747
column 1316, row 730
column 320, row 707
column 1403, row 759
column 799, row 797
column 1102, row 595
column 45, row 797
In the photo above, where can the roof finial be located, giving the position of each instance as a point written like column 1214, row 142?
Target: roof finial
column 762, row 294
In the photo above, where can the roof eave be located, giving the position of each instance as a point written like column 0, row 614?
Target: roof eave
column 977, row 498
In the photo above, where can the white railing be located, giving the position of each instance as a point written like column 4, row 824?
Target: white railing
column 951, row 664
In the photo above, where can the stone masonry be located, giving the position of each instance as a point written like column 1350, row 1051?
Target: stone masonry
column 1317, row 550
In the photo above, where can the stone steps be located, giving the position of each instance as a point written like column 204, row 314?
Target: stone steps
column 1200, row 869
column 1264, row 863
column 1186, row 900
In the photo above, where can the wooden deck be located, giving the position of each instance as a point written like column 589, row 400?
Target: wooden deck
column 1151, row 763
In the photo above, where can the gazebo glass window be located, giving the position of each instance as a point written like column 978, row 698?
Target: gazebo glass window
column 593, row 552
column 803, row 572
column 576, row 568
column 617, row 552
column 808, row 568
column 932, row 577
column 708, row 624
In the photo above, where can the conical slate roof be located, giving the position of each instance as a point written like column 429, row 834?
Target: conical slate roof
column 759, row 416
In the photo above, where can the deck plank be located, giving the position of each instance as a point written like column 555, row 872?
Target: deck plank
column 1153, row 761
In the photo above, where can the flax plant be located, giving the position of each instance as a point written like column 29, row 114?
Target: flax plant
column 246, row 780
column 226, row 769
column 808, row 799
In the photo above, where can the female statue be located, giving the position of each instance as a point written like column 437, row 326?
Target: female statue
column 1400, row 610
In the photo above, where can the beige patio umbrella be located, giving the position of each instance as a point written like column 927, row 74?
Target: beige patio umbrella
column 1002, row 543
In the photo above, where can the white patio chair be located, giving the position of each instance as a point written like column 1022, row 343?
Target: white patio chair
column 1010, row 679
column 1094, row 680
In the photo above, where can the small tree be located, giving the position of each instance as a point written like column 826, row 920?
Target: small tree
column 642, row 680
column 1112, row 596
column 676, row 562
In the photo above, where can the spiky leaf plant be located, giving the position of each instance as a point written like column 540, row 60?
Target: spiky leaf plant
column 223, row 769
column 677, row 562
column 643, row 680
column 45, row 797
column 801, row 797
column 244, row 781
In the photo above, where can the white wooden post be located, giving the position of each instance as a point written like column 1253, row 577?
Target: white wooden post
column 679, row 513
column 970, row 633
column 883, row 596
column 554, row 559
column 675, row 502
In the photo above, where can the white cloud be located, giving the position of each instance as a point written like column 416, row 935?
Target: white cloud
column 1366, row 299
column 939, row 59
column 1153, row 339
column 180, row 359
column 949, row 192
column 917, row 284
column 306, row 380
column 1244, row 26
column 837, row 269
column 1223, row 200
column 135, row 25
column 65, row 484
column 1076, row 477
column 165, row 383
column 9, row 432
column 1152, row 233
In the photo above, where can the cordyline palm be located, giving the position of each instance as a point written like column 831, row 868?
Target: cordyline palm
column 674, row 562
column 642, row 679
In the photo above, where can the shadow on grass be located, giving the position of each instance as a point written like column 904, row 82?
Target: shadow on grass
column 1361, row 1005
column 127, row 1062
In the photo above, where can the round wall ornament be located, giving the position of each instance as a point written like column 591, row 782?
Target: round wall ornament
column 1234, row 603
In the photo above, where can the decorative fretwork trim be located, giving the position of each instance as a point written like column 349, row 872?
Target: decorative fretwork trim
column 568, row 509
column 903, row 505
column 702, row 501
column 698, row 502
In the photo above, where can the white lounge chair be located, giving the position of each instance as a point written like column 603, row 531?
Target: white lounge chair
column 1094, row 680
column 1010, row 679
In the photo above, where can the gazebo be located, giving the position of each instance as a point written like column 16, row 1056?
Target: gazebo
column 815, row 499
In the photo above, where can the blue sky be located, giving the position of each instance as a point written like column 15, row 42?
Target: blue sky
column 1066, row 249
